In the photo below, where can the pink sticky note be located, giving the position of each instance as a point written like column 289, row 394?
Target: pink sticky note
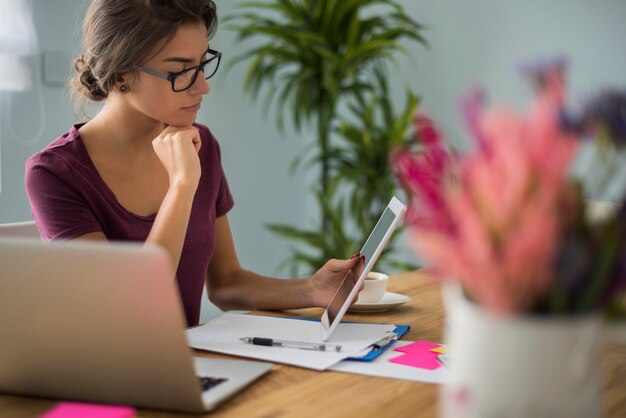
column 83, row 410
column 420, row 345
column 418, row 355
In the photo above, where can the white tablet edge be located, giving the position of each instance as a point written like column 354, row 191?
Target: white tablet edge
column 397, row 208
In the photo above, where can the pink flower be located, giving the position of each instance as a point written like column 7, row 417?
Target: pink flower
column 423, row 174
column 497, row 228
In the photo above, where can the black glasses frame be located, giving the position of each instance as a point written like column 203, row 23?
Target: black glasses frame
column 171, row 77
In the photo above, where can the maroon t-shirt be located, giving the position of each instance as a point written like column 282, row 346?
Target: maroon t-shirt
column 69, row 199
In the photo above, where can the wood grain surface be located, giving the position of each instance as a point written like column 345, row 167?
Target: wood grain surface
column 289, row 391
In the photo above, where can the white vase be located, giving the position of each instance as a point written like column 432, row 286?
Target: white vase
column 520, row 366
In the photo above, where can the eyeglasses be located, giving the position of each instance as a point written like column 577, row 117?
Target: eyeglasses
column 183, row 80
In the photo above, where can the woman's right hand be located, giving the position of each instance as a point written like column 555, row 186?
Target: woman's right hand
column 177, row 149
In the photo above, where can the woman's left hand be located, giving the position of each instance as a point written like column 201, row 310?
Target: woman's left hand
column 326, row 281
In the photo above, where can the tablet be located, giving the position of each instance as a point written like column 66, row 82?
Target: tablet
column 348, row 290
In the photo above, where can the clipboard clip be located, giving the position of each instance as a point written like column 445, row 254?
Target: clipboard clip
column 387, row 339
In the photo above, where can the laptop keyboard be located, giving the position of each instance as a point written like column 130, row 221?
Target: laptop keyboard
column 210, row 382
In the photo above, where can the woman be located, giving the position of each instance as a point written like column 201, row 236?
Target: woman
column 143, row 170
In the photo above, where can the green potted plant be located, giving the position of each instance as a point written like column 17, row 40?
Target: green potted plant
column 311, row 57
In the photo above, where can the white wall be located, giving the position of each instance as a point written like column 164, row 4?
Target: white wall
column 485, row 41
column 477, row 41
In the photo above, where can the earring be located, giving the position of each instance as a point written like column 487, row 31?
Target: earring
column 123, row 88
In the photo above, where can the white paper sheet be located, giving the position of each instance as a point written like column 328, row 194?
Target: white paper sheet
column 222, row 335
column 381, row 367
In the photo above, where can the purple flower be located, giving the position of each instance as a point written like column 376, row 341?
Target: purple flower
column 571, row 123
column 607, row 113
column 573, row 265
column 541, row 72
column 603, row 114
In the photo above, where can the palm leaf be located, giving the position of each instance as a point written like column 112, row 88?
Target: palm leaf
column 310, row 59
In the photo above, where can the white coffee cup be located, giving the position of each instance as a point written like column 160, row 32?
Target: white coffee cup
column 374, row 288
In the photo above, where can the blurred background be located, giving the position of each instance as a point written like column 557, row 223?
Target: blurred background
column 478, row 42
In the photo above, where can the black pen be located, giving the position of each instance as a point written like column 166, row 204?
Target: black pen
column 272, row 342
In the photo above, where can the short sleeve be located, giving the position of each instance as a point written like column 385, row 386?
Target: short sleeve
column 224, row 202
column 57, row 207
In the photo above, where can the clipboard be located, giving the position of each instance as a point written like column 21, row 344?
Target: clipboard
column 399, row 330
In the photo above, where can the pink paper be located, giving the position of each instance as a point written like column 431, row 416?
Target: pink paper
column 418, row 355
column 83, row 410
column 419, row 345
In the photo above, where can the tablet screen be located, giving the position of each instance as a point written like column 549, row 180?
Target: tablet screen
column 372, row 248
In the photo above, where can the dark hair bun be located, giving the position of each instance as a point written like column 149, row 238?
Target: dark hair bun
column 85, row 82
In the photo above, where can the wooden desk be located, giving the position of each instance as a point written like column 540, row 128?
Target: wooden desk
column 295, row 392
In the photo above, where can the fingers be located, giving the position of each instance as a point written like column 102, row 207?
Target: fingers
column 177, row 140
column 338, row 266
column 188, row 133
column 177, row 149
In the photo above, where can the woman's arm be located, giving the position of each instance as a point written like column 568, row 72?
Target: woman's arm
column 177, row 149
column 231, row 287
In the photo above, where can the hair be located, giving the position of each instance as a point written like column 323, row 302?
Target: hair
column 119, row 35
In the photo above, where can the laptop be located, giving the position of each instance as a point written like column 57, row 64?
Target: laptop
column 102, row 322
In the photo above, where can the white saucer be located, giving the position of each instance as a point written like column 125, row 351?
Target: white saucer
column 388, row 301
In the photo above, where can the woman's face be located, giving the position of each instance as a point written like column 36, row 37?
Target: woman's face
column 154, row 97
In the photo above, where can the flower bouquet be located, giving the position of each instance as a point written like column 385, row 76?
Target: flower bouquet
column 509, row 223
